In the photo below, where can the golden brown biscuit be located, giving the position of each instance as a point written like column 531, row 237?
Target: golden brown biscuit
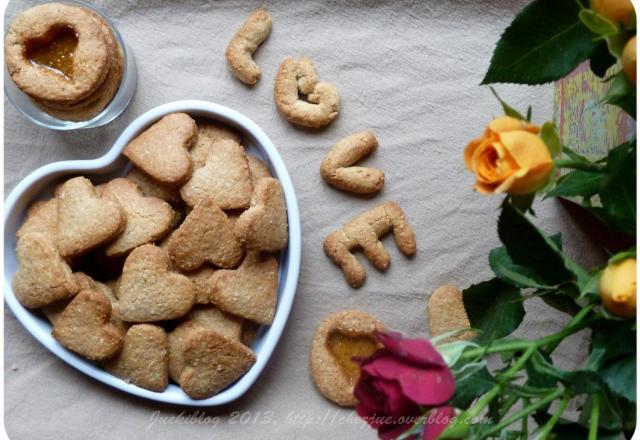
column 85, row 328
column 225, row 177
column 249, row 332
column 250, row 291
column 85, row 220
column 42, row 217
column 264, row 226
column 149, row 290
column 446, row 312
column 43, row 277
column 364, row 232
column 85, row 282
column 53, row 312
column 206, row 235
column 162, row 150
column 144, row 359
column 340, row 336
column 210, row 132
column 257, row 169
column 215, row 319
column 151, row 188
column 148, row 218
column 337, row 169
column 244, row 43
column 201, row 279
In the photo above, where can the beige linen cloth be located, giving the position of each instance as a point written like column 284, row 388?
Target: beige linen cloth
column 409, row 71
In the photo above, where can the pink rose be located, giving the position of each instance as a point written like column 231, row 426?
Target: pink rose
column 398, row 381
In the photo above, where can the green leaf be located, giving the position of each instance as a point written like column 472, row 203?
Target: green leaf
column 622, row 94
column 618, row 192
column 551, row 138
column 568, row 430
column 561, row 302
column 508, row 271
column 508, row 110
column 472, row 387
column 631, row 253
column 523, row 202
column 609, row 340
column 541, row 369
column 620, row 377
column 494, row 308
column 601, row 60
column 597, row 23
column 544, row 43
column 577, row 183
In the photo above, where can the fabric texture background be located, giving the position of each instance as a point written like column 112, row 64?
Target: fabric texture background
column 409, row 71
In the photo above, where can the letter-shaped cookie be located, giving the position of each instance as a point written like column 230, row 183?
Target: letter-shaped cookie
column 43, row 277
column 244, row 43
column 162, row 150
column 85, row 220
column 144, row 359
column 149, row 291
column 225, row 177
column 206, row 235
column 299, row 77
column 264, row 227
column 336, row 167
column 85, row 327
column 250, row 291
column 364, row 232
column 148, row 218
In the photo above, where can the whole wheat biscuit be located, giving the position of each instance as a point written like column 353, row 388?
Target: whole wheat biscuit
column 206, row 235
column 85, row 328
column 364, row 232
column 215, row 319
column 264, row 227
column 53, row 312
column 85, row 220
column 253, row 32
column 258, row 169
column 144, row 359
column 446, row 313
column 225, row 176
column 250, row 291
column 249, row 332
column 85, row 282
column 201, row 279
column 149, row 290
column 42, row 217
column 204, row 362
column 151, row 188
column 43, row 277
column 332, row 369
column 148, row 218
column 210, row 132
column 162, row 150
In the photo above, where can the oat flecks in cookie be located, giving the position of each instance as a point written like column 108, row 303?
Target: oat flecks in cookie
column 210, row 132
column 86, row 220
column 446, row 313
column 43, row 277
column 162, row 150
column 149, row 290
column 206, row 235
column 225, row 176
column 251, row 291
column 85, row 328
column 326, row 371
column 215, row 319
column 144, row 359
column 258, row 169
column 42, row 217
column 204, row 362
column 264, row 227
column 148, row 218
column 151, row 188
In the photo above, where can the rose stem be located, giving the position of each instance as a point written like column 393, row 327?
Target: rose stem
column 595, row 413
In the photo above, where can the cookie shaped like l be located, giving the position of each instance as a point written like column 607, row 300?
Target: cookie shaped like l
column 249, row 291
column 162, row 151
column 225, row 176
column 148, row 218
column 86, row 220
column 206, row 235
column 149, row 290
column 263, row 227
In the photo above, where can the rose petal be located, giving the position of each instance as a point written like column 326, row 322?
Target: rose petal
column 368, row 397
column 428, row 387
column 437, row 421
column 396, row 403
column 419, row 351
column 392, row 432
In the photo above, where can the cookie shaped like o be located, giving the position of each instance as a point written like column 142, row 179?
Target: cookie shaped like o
column 38, row 26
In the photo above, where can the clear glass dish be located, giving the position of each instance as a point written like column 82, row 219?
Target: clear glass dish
column 120, row 101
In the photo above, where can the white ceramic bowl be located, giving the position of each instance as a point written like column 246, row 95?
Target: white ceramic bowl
column 40, row 183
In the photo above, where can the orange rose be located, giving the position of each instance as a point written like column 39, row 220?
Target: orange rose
column 629, row 60
column 618, row 286
column 509, row 158
column 618, row 11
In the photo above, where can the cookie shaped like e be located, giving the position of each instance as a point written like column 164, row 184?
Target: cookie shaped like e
column 86, row 220
column 365, row 232
column 338, row 338
column 264, row 226
column 250, row 291
column 206, row 235
column 244, row 43
column 147, row 218
column 149, row 290
column 296, row 78
column 162, row 150
column 337, row 167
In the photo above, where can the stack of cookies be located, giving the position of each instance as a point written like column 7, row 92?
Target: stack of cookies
column 167, row 273
column 66, row 59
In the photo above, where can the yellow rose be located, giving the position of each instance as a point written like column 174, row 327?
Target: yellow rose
column 629, row 60
column 618, row 288
column 509, row 158
column 618, row 11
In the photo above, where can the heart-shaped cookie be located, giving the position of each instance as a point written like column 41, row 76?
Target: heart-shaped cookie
column 215, row 319
column 151, row 188
column 258, row 169
column 148, row 218
column 144, row 359
column 85, row 328
column 42, row 217
column 210, row 132
column 263, row 227
column 206, row 235
column 149, row 291
column 43, row 277
column 85, row 220
column 250, row 291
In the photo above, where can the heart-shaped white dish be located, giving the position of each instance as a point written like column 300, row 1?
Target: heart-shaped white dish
column 40, row 183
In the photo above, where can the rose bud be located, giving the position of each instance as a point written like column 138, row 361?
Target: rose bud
column 617, row 11
column 629, row 60
column 618, row 288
